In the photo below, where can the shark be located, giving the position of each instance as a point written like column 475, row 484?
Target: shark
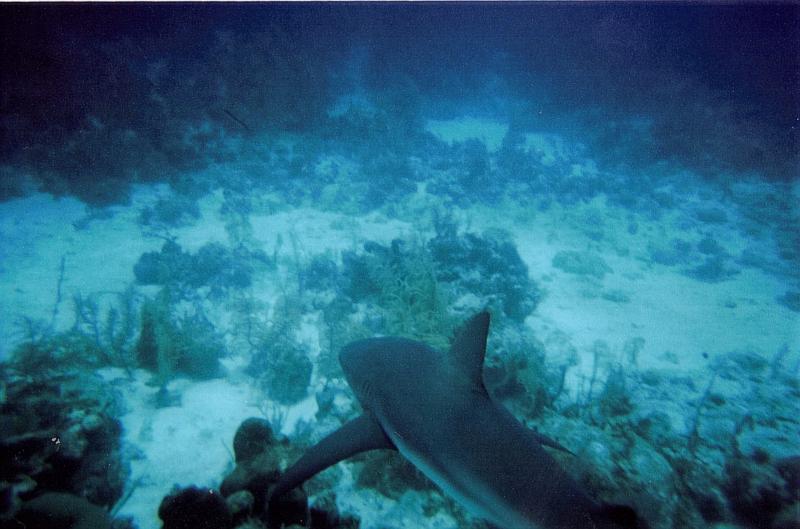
column 433, row 408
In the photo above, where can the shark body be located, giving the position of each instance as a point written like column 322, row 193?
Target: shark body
column 433, row 408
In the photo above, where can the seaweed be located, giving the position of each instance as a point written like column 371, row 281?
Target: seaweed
column 48, row 354
column 279, row 363
column 401, row 280
column 96, row 338
column 339, row 328
column 631, row 349
column 286, row 371
column 246, row 322
column 416, row 304
column 113, row 336
column 235, row 211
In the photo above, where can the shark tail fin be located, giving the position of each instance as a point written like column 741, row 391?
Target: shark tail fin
column 616, row 516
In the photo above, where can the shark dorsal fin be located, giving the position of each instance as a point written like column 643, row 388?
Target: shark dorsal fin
column 469, row 347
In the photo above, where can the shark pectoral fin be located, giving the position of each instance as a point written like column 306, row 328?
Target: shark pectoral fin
column 552, row 443
column 469, row 348
column 359, row 435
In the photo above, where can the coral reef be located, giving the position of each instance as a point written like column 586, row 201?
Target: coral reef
column 251, row 438
column 517, row 372
column 195, row 508
column 616, row 295
column 390, row 474
column 726, row 463
column 59, row 434
column 711, row 215
column 709, row 263
column 487, row 266
column 713, row 269
column 58, row 510
column 77, row 139
column 757, row 494
column 160, row 268
column 169, row 212
column 668, row 253
column 321, row 273
column 259, row 454
column 167, row 345
column 415, row 285
column 213, row 267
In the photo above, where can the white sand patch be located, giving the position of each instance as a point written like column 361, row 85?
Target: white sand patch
column 548, row 148
column 38, row 231
column 490, row 132
column 317, row 232
column 376, row 510
column 209, row 229
column 677, row 316
column 187, row 444
column 674, row 314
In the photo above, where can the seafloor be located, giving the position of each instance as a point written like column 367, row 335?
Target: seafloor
column 200, row 205
column 681, row 304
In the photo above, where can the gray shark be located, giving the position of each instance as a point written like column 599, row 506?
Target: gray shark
column 433, row 408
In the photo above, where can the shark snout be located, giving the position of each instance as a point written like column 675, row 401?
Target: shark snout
column 361, row 360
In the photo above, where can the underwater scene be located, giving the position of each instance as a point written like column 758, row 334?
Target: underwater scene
column 400, row 266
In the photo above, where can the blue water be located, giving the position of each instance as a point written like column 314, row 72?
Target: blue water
column 212, row 199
